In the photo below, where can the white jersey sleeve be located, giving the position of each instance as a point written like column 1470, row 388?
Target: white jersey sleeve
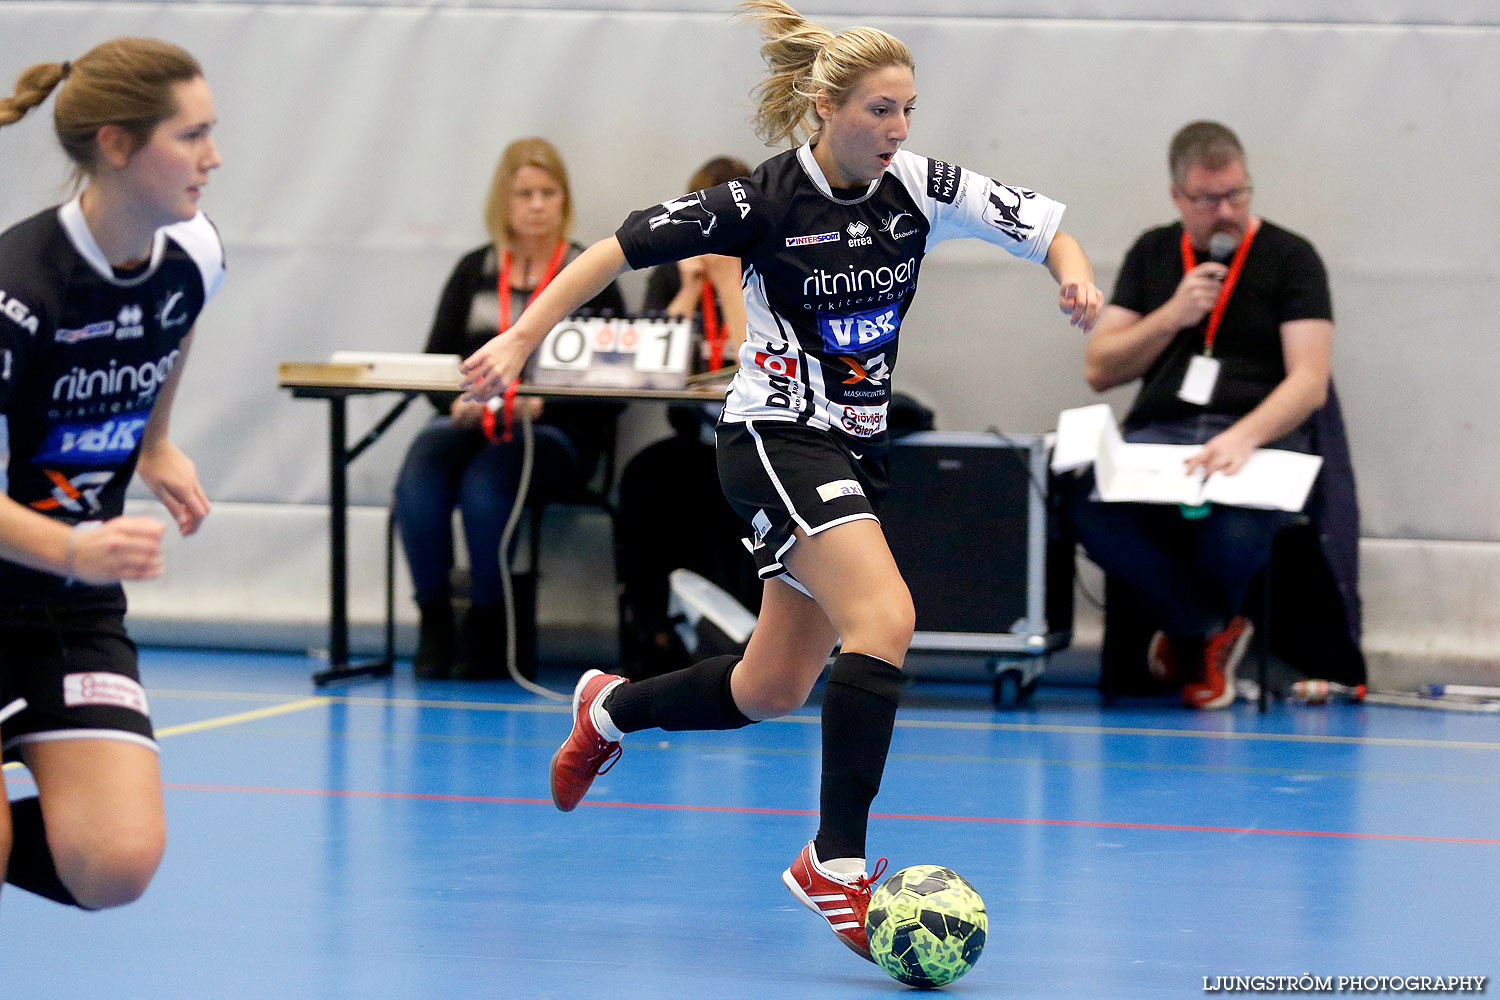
column 200, row 238
column 960, row 203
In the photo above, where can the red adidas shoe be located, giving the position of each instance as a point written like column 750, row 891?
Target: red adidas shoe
column 842, row 903
column 1221, row 657
column 585, row 753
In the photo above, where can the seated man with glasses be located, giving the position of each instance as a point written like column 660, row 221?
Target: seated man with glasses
column 1226, row 320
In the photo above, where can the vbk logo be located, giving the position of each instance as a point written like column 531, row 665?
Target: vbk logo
column 686, row 211
column 776, row 364
column 128, row 323
column 860, row 330
column 859, row 234
column 107, row 443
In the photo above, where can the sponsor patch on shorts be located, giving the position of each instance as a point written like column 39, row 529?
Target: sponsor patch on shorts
column 104, row 688
column 761, row 523
column 840, row 488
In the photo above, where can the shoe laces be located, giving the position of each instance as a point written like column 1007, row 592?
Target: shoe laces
column 863, row 885
column 609, row 759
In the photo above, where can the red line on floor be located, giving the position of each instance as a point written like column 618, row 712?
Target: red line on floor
column 749, row 810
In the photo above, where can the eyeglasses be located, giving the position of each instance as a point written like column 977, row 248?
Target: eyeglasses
column 1237, row 198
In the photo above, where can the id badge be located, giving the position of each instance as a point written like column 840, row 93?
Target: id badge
column 1198, row 383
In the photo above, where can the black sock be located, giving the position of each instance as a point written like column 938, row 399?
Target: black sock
column 695, row 698
column 859, row 714
column 30, row 866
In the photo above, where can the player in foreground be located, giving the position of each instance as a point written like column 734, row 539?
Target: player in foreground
column 831, row 236
column 99, row 299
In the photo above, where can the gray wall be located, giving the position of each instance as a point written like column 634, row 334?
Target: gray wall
column 358, row 139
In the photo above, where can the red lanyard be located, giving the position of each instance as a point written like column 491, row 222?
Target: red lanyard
column 713, row 330
column 487, row 420
column 1236, row 265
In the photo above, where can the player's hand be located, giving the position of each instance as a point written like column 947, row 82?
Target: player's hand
column 1196, row 294
column 172, row 476
column 1226, row 452
column 122, row 548
column 494, row 366
column 1082, row 301
column 466, row 414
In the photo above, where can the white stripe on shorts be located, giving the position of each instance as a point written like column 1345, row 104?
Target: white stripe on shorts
column 760, row 448
column 53, row 735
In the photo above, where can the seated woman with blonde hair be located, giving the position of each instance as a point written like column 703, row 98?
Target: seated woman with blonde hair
column 461, row 459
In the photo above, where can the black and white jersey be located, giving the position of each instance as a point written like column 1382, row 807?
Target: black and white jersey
column 829, row 274
column 84, row 350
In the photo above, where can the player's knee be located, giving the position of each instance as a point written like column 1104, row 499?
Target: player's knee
column 775, row 704
column 111, row 870
column 885, row 628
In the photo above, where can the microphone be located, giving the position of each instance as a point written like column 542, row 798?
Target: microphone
column 1221, row 246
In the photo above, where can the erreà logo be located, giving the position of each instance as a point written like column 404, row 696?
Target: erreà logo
column 859, row 234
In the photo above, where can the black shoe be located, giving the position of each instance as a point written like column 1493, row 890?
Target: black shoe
column 434, row 656
column 481, row 645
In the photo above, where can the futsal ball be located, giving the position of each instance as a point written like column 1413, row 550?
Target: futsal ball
column 926, row 926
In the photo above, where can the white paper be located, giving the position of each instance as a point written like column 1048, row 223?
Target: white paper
column 1155, row 473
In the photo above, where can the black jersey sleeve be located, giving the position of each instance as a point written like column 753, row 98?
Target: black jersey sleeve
column 729, row 219
column 25, row 316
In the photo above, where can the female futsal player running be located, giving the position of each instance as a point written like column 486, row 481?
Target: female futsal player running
column 831, row 235
column 98, row 302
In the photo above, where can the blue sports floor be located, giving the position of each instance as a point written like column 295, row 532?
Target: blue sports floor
column 396, row 840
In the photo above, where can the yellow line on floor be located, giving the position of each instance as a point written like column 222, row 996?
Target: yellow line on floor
column 1018, row 727
column 238, row 717
column 227, row 720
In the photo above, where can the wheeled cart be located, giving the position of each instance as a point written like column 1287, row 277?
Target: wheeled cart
column 968, row 520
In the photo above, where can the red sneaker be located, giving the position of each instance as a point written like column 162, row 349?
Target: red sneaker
column 1161, row 658
column 841, row 902
column 1221, row 656
column 585, row 753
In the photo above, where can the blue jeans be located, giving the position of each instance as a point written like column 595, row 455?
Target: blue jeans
column 448, row 467
column 1191, row 575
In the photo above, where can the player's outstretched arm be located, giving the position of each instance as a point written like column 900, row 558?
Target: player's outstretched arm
column 1077, row 294
column 498, row 363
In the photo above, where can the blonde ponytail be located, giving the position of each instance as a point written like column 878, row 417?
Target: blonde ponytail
column 806, row 59
column 32, row 88
column 124, row 81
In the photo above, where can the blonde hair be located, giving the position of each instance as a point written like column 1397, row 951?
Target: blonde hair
column 532, row 152
column 125, row 82
column 806, row 59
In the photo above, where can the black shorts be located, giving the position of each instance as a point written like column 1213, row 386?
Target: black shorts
column 77, row 670
column 781, row 476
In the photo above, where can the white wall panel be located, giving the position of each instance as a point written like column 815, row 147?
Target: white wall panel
column 358, row 138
